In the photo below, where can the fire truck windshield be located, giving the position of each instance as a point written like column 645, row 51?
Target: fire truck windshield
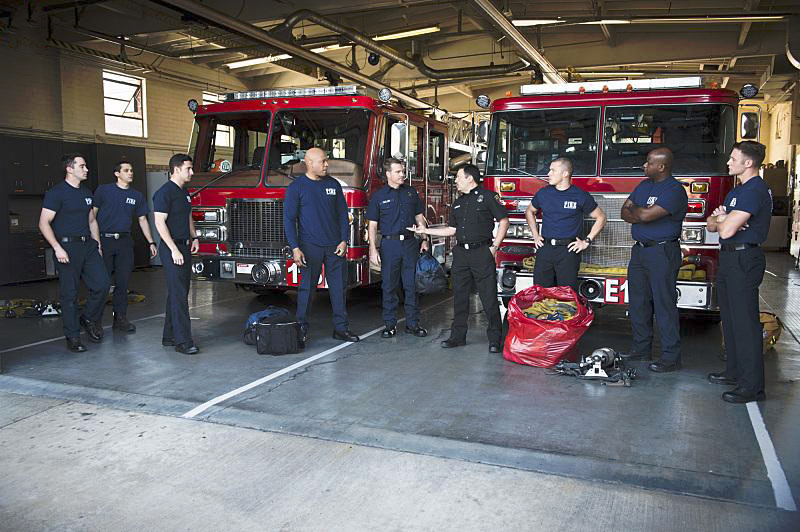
column 525, row 142
column 229, row 149
column 700, row 136
column 342, row 133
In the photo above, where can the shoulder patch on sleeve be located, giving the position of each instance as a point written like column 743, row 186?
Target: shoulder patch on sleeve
column 499, row 200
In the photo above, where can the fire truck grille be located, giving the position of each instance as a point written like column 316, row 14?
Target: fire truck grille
column 255, row 228
column 613, row 246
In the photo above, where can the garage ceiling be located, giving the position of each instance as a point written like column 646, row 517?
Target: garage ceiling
column 731, row 42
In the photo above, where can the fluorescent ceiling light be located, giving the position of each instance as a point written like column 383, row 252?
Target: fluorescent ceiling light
column 621, row 73
column 607, row 21
column 407, row 33
column 327, row 48
column 534, row 22
column 257, row 61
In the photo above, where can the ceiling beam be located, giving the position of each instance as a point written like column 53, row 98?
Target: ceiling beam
column 745, row 29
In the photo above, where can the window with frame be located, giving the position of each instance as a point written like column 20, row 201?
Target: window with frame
column 436, row 156
column 224, row 134
column 123, row 104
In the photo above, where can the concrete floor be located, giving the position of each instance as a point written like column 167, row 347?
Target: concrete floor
column 383, row 434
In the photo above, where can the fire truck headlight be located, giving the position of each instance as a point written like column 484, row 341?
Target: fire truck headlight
column 693, row 235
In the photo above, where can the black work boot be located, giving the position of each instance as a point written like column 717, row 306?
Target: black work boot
column 121, row 323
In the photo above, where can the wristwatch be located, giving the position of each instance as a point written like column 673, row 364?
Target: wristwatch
column 589, row 240
column 151, row 243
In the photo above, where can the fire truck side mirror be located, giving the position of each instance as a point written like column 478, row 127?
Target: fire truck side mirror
column 749, row 126
column 482, row 132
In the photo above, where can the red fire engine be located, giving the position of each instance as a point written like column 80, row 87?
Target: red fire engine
column 248, row 148
column 606, row 129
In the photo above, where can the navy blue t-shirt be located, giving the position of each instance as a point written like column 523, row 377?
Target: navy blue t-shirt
column 394, row 209
column 318, row 209
column 563, row 210
column 668, row 194
column 756, row 198
column 117, row 207
column 177, row 205
column 72, row 206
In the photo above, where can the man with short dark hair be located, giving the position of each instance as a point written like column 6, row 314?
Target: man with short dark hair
column 392, row 209
column 472, row 218
column 316, row 224
column 68, row 224
column 742, row 222
column 560, row 243
column 656, row 209
column 172, row 210
column 115, row 205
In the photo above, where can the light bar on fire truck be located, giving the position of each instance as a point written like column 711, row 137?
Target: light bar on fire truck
column 616, row 85
column 340, row 90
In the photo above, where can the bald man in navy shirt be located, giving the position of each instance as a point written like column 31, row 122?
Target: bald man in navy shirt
column 315, row 220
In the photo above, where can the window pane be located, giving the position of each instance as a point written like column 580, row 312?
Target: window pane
column 436, row 157
column 700, row 137
column 526, row 142
column 118, row 90
column 114, row 107
column 124, row 126
column 120, row 77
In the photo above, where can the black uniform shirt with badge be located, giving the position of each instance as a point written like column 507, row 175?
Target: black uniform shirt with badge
column 394, row 209
column 474, row 213
column 176, row 203
column 72, row 206
column 117, row 207
column 753, row 197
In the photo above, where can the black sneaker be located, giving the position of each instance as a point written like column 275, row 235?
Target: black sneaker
column 389, row 332
column 75, row 345
column 417, row 331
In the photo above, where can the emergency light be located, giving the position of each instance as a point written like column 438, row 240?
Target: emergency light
column 339, row 90
column 617, row 85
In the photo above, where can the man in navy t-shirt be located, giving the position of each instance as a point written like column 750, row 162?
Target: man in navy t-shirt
column 172, row 210
column 392, row 209
column 315, row 220
column 559, row 246
column 742, row 223
column 115, row 206
column 656, row 208
column 68, row 224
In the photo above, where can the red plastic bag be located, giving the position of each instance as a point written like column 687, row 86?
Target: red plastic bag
column 544, row 343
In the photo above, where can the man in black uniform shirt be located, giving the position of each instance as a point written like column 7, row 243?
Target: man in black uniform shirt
column 560, row 244
column 656, row 209
column 115, row 205
column 67, row 222
column 472, row 219
column 742, row 223
column 394, row 207
column 172, row 210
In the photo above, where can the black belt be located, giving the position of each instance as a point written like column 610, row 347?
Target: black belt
column 559, row 241
column 651, row 243
column 737, row 247
column 74, row 239
column 401, row 236
column 474, row 245
column 115, row 236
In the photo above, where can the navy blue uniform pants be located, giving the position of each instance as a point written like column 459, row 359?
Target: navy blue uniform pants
column 474, row 265
column 652, row 279
column 336, row 276
column 399, row 266
column 740, row 274
column 84, row 263
column 118, row 257
column 177, row 325
column 556, row 266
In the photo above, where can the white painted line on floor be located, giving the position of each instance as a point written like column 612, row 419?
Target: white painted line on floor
column 233, row 393
column 780, row 486
column 769, row 272
column 109, row 326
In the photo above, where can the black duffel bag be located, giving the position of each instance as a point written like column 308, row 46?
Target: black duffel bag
column 277, row 335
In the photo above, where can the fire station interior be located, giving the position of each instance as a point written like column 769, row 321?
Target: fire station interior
column 384, row 434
